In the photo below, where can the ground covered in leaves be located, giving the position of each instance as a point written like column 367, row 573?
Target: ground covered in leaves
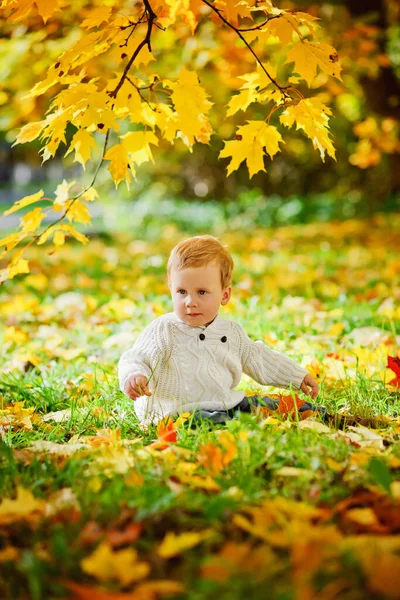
column 266, row 506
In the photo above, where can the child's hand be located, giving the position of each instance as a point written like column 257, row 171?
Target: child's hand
column 136, row 386
column 309, row 382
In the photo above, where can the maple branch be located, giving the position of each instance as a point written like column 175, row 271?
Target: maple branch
column 238, row 31
column 145, row 42
column 137, row 88
column 133, row 23
column 35, row 237
column 261, row 24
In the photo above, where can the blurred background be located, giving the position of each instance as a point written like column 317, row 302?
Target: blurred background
column 192, row 189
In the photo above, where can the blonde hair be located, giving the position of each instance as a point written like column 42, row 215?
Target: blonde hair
column 199, row 251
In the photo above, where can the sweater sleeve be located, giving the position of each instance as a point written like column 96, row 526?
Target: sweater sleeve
column 267, row 366
column 144, row 355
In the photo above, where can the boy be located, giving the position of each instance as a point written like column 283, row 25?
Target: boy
column 190, row 360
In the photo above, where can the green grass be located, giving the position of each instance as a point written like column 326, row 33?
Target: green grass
column 305, row 292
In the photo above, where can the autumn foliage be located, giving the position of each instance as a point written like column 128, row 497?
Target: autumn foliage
column 118, row 88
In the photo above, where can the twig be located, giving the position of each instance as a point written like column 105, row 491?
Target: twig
column 146, row 42
column 78, row 195
column 218, row 12
column 261, row 24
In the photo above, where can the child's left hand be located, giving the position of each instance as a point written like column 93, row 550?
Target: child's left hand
column 309, row 382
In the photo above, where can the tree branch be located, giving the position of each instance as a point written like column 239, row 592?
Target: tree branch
column 146, row 42
column 261, row 24
column 246, row 43
column 35, row 237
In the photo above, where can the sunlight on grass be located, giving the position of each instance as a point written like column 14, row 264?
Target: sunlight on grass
column 94, row 506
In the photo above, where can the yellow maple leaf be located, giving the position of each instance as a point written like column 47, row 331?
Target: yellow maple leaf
column 174, row 544
column 144, row 56
column 29, row 132
column 22, row 8
column 81, row 143
column 289, row 23
column 183, row 417
column 26, row 201
column 32, row 220
column 77, row 211
column 311, row 116
column 232, row 9
column 308, row 55
column 251, row 139
column 59, row 238
column 191, row 104
column 128, row 101
column 19, row 414
column 55, row 133
column 96, row 17
column 282, row 27
column 199, row 481
column 137, row 145
column 119, row 165
column 70, row 230
column 11, row 241
column 187, row 10
column 46, row 234
column 90, row 195
column 241, row 101
column 62, row 194
column 15, row 335
column 46, row 8
column 121, row 565
column 24, row 506
column 20, row 266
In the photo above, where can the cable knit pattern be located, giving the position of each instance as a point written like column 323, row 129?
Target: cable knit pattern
column 188, row 372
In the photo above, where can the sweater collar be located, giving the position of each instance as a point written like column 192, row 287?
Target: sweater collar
column 190, row 330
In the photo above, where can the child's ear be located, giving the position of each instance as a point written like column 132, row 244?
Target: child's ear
column 226, row 296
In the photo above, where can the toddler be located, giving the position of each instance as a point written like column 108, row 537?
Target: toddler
column 191, row 359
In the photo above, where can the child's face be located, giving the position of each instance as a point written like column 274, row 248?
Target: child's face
column 197, row 293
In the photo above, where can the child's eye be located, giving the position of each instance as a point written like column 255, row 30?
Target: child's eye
column 181, row 292
column 202, row 292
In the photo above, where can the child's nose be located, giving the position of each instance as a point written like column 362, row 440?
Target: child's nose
column 190, row 301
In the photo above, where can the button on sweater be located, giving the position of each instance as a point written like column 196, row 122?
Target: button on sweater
column 199, row 367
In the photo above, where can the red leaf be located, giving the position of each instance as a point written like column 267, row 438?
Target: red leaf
column 127, row 536
column 286, row 408
column 394, row 365
column 166, row 431
column 86, row 592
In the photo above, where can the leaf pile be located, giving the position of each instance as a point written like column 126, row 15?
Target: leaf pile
column 93, row 506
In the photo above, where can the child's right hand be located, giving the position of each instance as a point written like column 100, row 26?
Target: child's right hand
column 136, row 386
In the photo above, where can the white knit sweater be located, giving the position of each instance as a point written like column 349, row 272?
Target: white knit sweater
column 188, row 372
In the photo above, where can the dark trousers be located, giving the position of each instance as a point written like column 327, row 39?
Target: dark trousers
column 245, row 405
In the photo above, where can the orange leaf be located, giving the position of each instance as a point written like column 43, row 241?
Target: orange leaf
column 166, row 431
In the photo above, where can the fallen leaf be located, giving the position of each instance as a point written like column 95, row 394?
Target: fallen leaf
column 293, row 472
column 174, row 544
column 120, row 565
column 24, row 506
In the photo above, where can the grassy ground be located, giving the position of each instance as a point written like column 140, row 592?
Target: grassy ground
column 267, row 506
